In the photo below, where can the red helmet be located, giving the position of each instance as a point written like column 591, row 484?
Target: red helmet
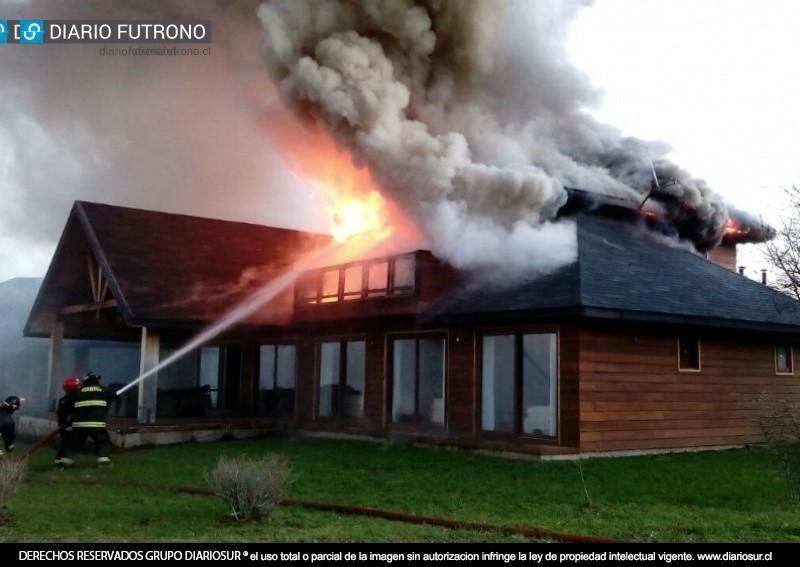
column 71, row 383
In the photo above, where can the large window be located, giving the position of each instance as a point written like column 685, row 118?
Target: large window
column 372, row 278
column 418, row 384
column 276, row 379
column 519, row 383
column 341, row 379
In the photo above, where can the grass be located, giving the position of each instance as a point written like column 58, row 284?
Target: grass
column 157, row 494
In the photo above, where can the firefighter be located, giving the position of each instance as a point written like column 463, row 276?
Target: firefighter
column 88, row 407
column 64, row 410
column 8, row 427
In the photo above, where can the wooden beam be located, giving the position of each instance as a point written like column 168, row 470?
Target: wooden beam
column 87, row 307
column 148, row 388
column 54, row 357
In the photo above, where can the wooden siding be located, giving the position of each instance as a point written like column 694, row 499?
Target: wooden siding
column 461, row 383
column 632, row 396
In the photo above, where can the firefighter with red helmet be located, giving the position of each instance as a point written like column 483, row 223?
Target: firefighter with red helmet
column 8, row 427
column 89, row 407
column 64, row 409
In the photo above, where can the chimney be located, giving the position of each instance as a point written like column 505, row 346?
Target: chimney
column 741, row 270
column 763, row 276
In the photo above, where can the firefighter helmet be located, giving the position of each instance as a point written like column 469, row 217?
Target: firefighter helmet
column 12, row 402
column 91, row 377
column 71, row 383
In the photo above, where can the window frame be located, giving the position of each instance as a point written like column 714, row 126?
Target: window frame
column 275, row 344
column 417, row 419
column 790, row 358
column 520, row 412
column 311, row 288
column 338, row 399
column 697, row 353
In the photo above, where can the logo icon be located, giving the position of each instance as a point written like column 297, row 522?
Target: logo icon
column 3, row 31
column 31, row 31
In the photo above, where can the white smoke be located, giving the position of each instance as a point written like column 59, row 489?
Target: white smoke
column 471, row 117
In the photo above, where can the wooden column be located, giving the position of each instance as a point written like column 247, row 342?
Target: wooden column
column 148, row 388
column 54, row 364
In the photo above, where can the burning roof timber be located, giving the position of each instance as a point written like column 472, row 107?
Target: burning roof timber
column 669, row 215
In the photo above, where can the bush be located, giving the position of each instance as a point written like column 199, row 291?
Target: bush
column 251, row 487
column 12, row 471
column 779, row 423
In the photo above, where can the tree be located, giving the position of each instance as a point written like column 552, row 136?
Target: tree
column 783, row 251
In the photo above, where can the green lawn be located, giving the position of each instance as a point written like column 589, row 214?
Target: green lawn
column 160, row 494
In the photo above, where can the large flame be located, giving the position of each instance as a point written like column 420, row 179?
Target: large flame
column 355, row 215
column 348, row 193
column 354, row 209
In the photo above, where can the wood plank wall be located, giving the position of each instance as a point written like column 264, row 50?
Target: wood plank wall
column 632, row 395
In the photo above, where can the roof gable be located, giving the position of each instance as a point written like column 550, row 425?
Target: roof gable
column 164, row 269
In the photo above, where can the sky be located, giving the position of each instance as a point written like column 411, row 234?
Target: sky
column 716, row 81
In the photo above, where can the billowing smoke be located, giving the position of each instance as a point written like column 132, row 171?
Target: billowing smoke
column 472, row 119
column 467, row 112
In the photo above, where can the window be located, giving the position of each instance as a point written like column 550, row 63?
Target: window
column 784, row 363
column 276, row 379
column 330, row 285
column 519, row 380
column 372, row 278
column 418, row 367
column 353, row 282
column 341, row 379
column 209, row 373
column 688, row 353
column 378, row 279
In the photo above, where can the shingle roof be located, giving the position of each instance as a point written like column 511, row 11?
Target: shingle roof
column 179, row 271
column 166, row 269
column 626, row 271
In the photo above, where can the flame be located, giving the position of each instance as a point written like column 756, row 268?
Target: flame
column 353, row 215
column 351, row 204
column 734, row 229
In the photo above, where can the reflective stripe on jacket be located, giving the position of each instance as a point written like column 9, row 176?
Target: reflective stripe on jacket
column 90, row 406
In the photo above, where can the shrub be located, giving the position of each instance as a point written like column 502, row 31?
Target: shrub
column 12, row 471
column 251, row 487
column 779, row 423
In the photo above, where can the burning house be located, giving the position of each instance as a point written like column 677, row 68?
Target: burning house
column 638, row 344
column 501, row 272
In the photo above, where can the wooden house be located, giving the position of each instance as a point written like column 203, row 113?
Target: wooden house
column 637, row 345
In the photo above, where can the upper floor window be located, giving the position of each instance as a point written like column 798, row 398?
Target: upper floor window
column 370, row 278
column 688, row 353
column 784, row 364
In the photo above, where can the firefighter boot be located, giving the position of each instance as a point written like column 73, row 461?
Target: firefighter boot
column 63, row 463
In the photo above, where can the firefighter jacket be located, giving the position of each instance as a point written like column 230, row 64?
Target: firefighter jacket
column 90, row 405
